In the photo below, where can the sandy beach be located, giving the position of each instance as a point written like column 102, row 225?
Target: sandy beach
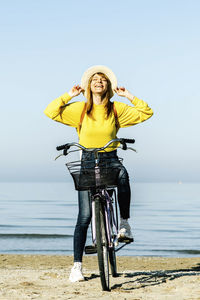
column 46, row 277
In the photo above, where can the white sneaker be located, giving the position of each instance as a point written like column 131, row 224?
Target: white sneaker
column 124, row 234
column 76, row 273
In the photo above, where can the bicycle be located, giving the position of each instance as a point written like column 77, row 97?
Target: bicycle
column 101, row 180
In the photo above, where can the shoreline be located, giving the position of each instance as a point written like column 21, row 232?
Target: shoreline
column 60, row 261
column 46, row 277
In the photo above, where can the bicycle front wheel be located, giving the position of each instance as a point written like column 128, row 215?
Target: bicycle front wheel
column 113, row 262
column 102, row 244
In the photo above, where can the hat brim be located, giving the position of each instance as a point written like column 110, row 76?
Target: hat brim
column 98, row 69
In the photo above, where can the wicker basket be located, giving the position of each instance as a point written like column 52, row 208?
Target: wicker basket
column 87, row 177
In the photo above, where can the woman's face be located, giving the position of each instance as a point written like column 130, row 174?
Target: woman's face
column 99, row 84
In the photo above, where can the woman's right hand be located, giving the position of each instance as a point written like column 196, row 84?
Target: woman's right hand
column 75, row 91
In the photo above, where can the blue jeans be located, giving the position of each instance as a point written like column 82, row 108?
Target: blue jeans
column 84, row 215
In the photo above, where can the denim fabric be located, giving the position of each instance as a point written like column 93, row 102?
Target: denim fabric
column 84, row 216
column 83, row 221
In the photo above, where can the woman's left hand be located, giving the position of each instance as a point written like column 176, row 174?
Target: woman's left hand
column 121, row 91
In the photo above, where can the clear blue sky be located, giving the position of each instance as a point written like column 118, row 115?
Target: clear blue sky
column 152, row 46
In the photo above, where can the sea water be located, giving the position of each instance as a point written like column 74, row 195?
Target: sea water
column 39, row 218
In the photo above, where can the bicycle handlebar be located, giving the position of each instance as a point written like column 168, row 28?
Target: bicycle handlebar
column 130, row 141
column 123, row 141
column 62, row 147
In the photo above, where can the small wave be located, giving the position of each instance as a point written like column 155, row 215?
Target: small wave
column 34, row 235
column 54, row 219
column 9, row 226
column 35, row 251
column 35, row 226
column 184, row 251
column 196, row 252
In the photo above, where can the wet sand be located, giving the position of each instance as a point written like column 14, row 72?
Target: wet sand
column 46, row 277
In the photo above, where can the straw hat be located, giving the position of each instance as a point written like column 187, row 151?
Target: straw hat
column 98, row 69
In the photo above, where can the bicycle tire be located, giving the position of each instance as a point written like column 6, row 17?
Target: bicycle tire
column 112, row 252
column 102, row 245
column 113, row 262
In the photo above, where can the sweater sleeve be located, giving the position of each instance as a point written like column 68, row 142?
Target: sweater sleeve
column 131, row 115
column 59, row 110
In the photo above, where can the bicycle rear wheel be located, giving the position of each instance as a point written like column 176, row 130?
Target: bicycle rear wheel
column 102, row 244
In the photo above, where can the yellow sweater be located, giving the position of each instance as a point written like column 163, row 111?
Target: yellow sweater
column 98, row 131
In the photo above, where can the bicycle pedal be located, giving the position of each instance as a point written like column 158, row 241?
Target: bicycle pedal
column 125, row 240
column 91, row 249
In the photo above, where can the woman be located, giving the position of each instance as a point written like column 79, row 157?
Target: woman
column 97, row 122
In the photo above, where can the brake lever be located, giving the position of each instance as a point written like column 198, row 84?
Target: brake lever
column 59, row 156
column 132, row 149
column 128, row 148
column 65, row 152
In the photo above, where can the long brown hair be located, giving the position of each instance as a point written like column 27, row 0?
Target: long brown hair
column 106, row 97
